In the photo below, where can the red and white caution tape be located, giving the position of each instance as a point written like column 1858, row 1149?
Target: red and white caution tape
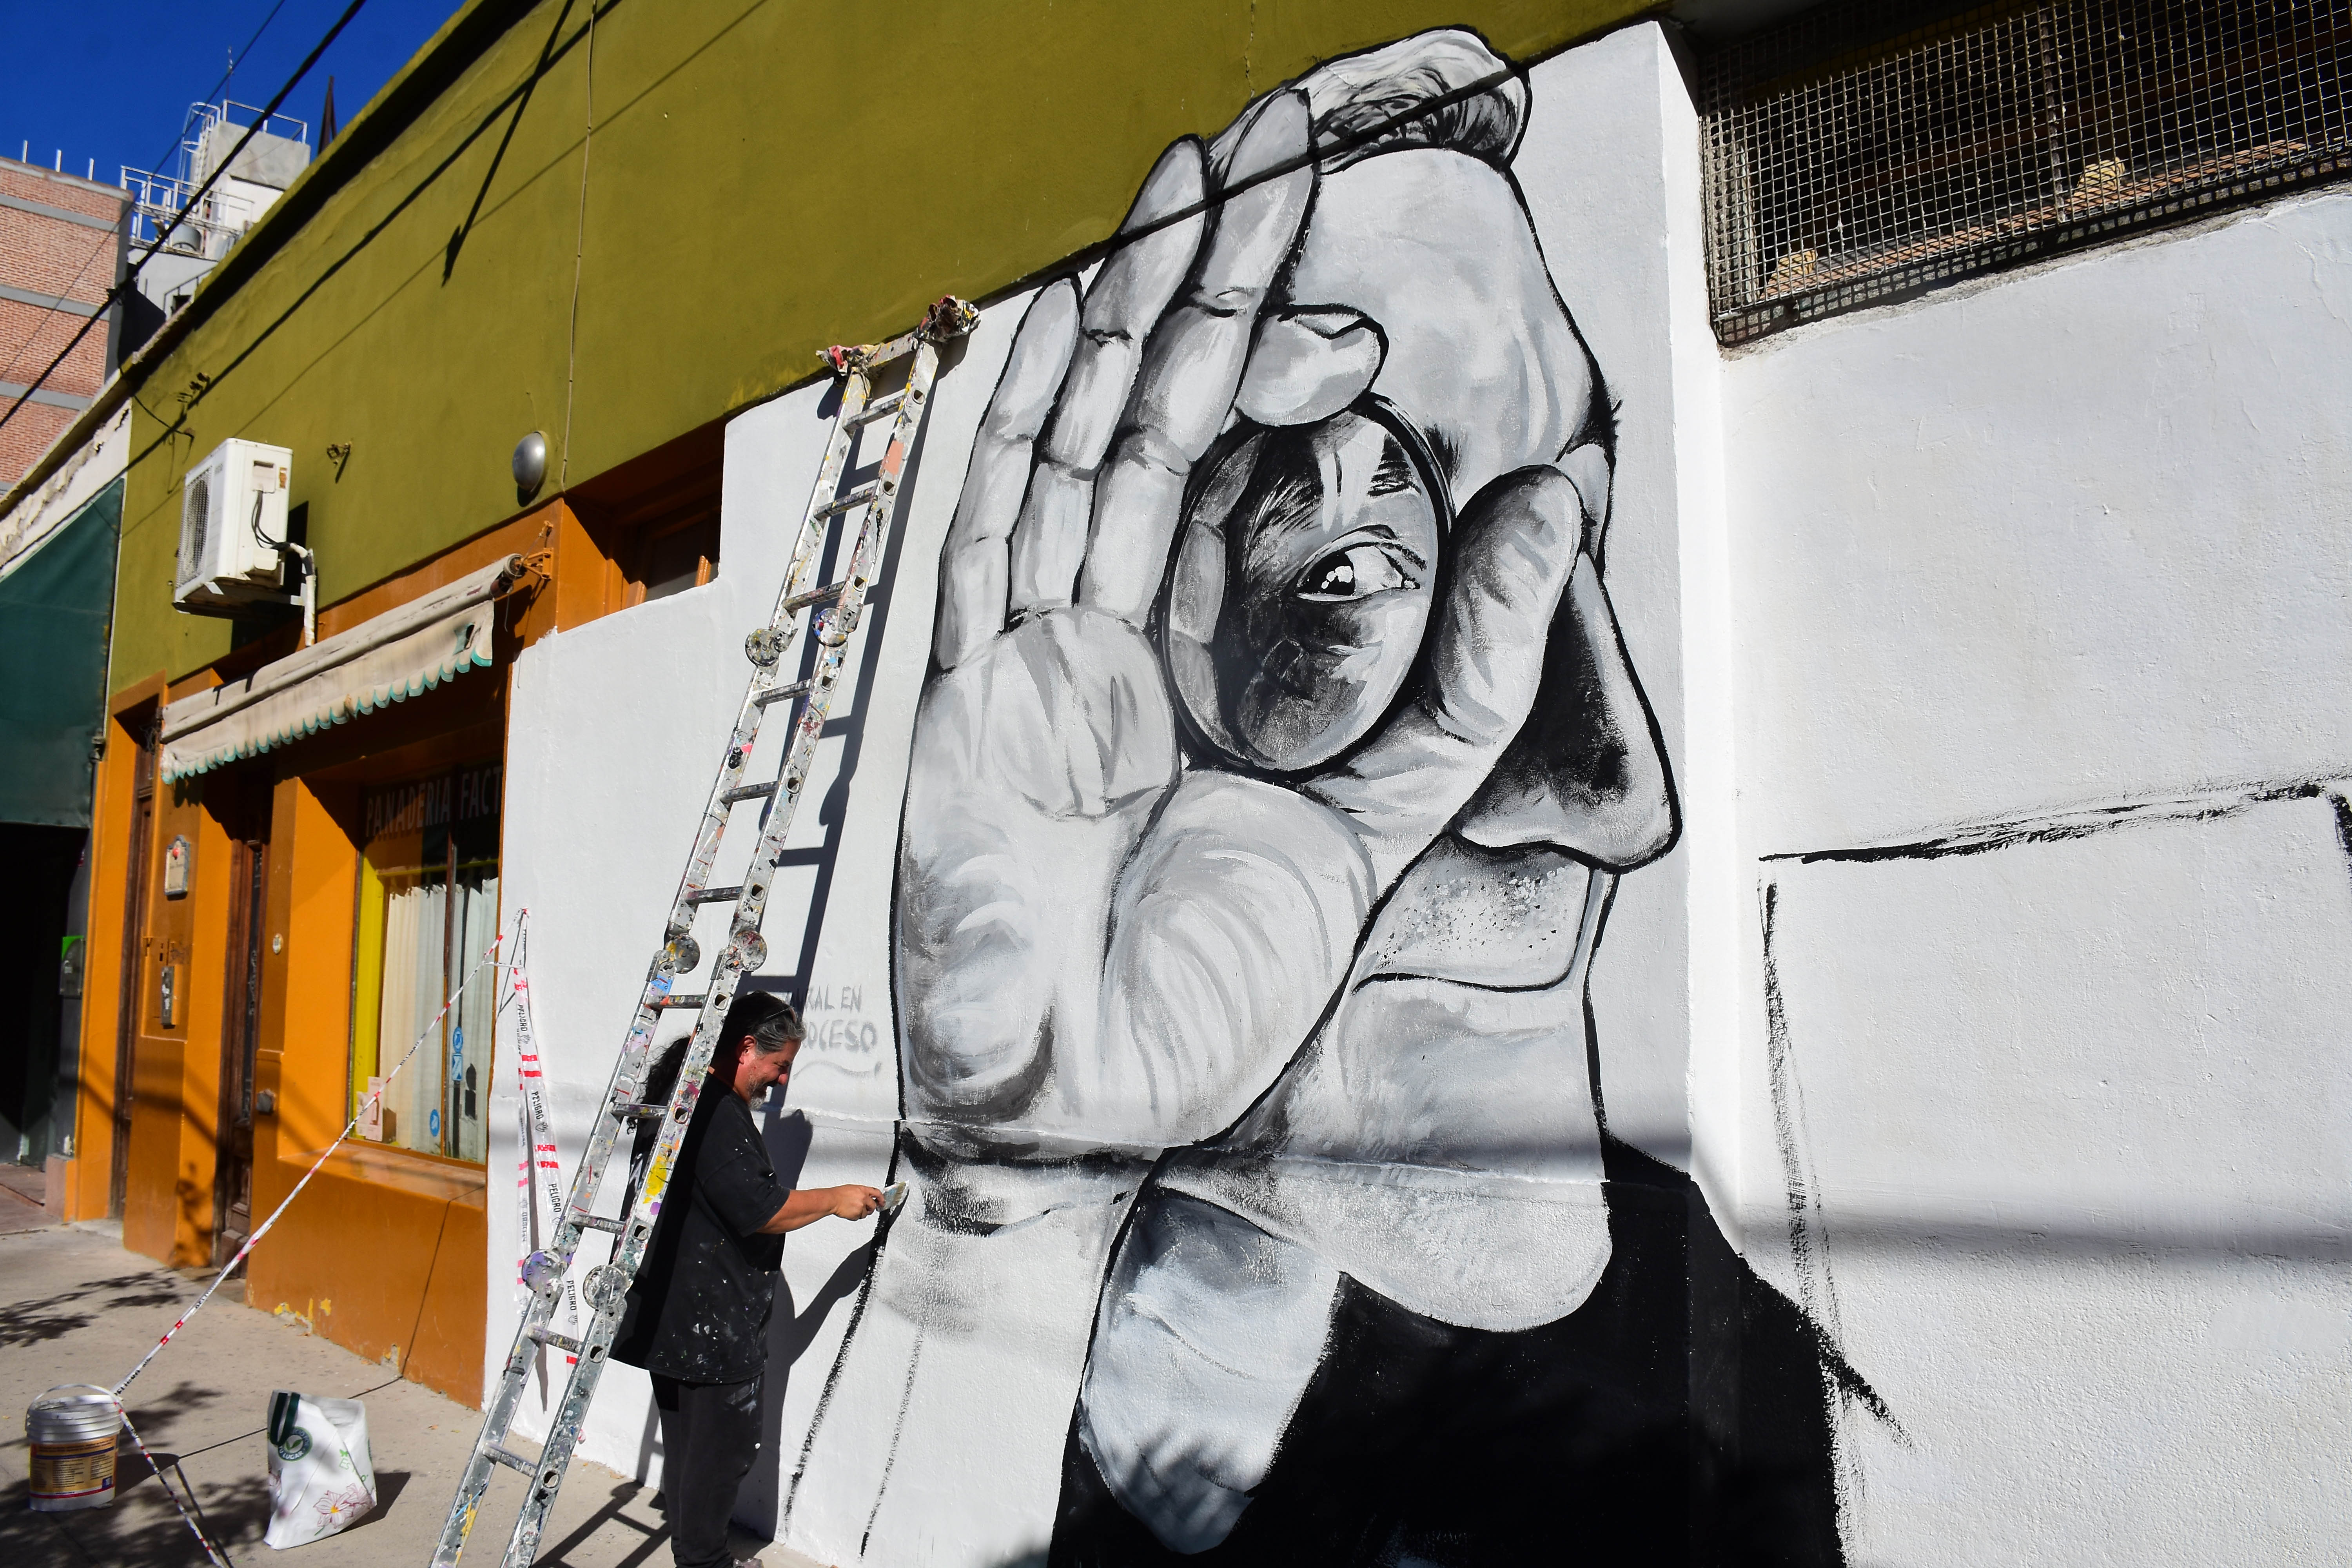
column 539, row 1164
column 374, row 1100
column 489, row 957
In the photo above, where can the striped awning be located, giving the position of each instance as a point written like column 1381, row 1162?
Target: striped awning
column 397, row 655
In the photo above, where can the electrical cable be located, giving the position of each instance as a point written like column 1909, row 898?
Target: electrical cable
column 65, row 294
column 357, row 246
column 578, row 257
column 203, row 190
column 491, row 957
column 213, row 1553
column 230, row 75
column 218, row 88
column 1328, row 147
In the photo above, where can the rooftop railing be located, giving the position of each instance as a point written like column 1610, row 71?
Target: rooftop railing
column 161, row 214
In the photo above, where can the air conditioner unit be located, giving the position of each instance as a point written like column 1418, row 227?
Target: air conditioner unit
column 233, row 529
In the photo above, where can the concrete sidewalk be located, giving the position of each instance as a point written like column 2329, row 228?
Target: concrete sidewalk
column 23, row 1190
column 74, row 1307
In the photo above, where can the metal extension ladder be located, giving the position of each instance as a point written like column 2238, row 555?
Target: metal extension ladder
column 873, row 505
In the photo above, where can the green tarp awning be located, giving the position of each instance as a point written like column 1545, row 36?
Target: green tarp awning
column 54, row 607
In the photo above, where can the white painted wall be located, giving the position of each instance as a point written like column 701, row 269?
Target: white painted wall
column 616, row 732
column 2056, row 536
column 1620, row 233
column 2064, row 1114
column 2071, row 1111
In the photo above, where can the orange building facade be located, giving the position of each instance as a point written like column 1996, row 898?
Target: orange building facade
column 249, row 982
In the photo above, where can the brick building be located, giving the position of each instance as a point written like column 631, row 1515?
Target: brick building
column 59, row 239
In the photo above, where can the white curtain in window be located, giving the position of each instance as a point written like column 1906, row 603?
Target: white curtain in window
column 413, row 931
column 469, row 1049
column 438, row 1103
column 397, row 1018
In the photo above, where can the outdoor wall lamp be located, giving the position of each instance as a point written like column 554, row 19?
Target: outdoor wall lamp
column 529, row 464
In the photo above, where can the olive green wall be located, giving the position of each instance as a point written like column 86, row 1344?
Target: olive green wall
column 765, row 177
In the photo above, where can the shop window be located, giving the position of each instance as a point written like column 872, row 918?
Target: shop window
column 428, row 910
column 1862, row 153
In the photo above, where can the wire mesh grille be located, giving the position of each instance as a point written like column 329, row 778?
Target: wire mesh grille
column 1852, row 160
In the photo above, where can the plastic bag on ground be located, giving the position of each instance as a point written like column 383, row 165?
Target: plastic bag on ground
column 321, row 1479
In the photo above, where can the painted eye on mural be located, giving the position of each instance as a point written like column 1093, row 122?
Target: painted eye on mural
column 1354, row 573
column 1301, row 587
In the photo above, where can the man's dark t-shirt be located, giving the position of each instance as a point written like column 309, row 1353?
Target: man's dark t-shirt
column 699, row 1309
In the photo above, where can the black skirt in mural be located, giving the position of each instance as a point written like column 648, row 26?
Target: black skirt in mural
column 1680, row 1415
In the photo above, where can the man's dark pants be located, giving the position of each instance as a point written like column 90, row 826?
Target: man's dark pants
column 709, row 1433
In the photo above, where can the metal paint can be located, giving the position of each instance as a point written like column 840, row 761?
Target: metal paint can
column 72, row 1437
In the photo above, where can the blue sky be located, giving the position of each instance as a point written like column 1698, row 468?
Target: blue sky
column 112, row 79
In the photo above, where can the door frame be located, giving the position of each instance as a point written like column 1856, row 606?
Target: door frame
column 132, row 986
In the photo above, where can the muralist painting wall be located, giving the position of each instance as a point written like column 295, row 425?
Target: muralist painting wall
column 1353, row 875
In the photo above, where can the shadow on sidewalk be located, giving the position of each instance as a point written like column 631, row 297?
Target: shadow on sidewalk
column 24, row 1323
column 609, row 1513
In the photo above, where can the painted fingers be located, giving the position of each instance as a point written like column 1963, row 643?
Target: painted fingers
column 1518, row 543
column 1192, row 362
column 973, row 570
column 1041, row 520
column 1129, row 297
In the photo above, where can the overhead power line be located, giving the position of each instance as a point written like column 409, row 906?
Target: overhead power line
column 83, row 270
column 203, row 190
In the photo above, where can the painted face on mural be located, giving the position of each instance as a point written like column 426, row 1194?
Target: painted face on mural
column 1263, row 799
column 1437, row 1140
column 1301, row 587
column 1350, row 674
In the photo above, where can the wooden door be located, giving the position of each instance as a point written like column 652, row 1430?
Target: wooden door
column 240, row 1043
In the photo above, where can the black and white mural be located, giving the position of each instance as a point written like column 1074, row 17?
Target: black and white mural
column 1277, row 763
column 1489, row 935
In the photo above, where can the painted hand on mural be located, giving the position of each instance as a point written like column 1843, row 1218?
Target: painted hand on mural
column 1281, row 751
column 1152, row 805
column 1070, row 886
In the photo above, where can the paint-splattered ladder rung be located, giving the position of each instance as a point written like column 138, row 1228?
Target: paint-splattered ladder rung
column 849, row 503
column 831, row 590
column 715, row 896
column 512, row 1461
column 679, row 999
column 783, row 693
column 881, row 408
column 749, row 792
column 563, row 1342
column 598, row 1222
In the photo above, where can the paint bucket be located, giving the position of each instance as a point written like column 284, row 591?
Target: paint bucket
column 72, row 1436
